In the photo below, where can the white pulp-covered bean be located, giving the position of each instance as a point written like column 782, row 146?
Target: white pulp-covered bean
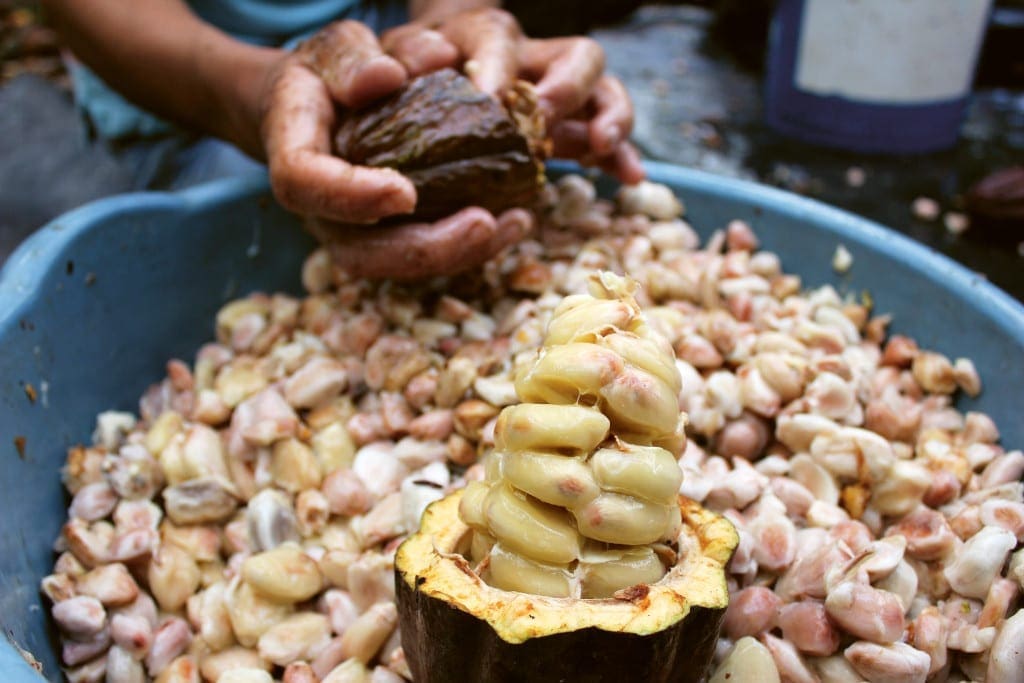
column 894, row 663
column 979, row 562
column 866, row 612
column 748, row 660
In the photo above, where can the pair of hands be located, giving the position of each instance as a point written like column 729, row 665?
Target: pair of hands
column 588, row 114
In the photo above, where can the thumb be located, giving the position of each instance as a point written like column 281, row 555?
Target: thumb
column 420, row 49
column 349, row 60
column 487, row 39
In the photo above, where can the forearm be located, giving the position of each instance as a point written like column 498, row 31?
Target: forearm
column 431, row 11
column 165, row 59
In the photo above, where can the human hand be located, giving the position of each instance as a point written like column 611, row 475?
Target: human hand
column 343, row 64
column 588, row 112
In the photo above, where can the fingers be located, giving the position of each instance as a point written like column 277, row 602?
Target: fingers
column 305, row 177
column 347, row 56
column 420, row 49
column 488, row 40
column 571, row 86
column 566, row 71
column 513, row 226
column 624, row 164
column 572, row 140
column 613, row 119
column 419, row 250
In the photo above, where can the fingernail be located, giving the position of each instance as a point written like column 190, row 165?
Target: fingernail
column 519, row 224
column 547, row 110
column 525, row 227
column 397, row 201
column 613, row 134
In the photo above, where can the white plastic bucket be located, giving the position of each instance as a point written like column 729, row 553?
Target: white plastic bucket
column 873, row 75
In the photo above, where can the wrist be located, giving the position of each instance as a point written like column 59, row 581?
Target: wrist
column 236, row 74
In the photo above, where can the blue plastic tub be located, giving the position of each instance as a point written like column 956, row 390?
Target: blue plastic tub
column 93, row 305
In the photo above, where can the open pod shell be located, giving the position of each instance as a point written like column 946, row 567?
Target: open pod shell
column 455, row 627
column 459, row 146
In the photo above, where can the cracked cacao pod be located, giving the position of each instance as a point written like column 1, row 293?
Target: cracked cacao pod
column 459, row 146
column 457, row 628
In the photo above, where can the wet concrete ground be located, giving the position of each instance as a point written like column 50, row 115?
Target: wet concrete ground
column 694, row 107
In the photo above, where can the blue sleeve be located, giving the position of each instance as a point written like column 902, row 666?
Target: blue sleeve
column 261, row 22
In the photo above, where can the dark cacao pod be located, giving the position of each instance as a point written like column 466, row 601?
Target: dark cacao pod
column 459, row 146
